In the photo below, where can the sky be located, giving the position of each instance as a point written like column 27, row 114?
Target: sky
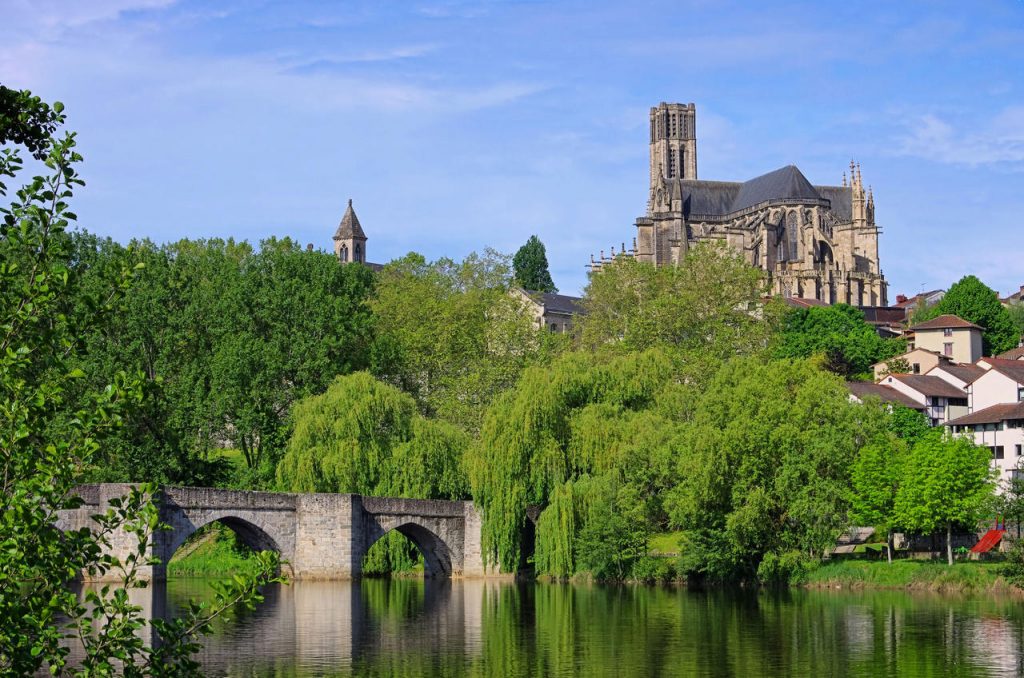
column 456, row 125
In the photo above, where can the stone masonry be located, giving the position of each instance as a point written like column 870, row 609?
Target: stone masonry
column 321, row 536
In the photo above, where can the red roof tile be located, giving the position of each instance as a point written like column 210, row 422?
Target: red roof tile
column 944, row 321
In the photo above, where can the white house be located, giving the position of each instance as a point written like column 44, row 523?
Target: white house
column 942, row 400
column 1000, row 428
column 950, row 336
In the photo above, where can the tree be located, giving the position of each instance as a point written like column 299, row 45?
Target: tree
column 849, row 345
column 28, row 121
column 530, row 267
column 45, row 443
column 711, row 304
column 946, row 481
column 975, row 302
column 451, row 335
column 1016, row 311
column 875, row 481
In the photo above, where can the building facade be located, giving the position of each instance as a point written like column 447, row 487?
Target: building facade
column 816, row 242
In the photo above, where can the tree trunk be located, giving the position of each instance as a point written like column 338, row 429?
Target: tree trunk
column 888, row 545
column 949, row 543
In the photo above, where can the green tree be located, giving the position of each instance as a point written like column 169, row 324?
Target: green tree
column 530, row 267
column 1016, row 311
column 849, row 345
column 451, row 335
column 46, row 440
column 947, row 481
column 26, row 120
column 975, row 302
column 875, row 480
column 765, row 467
column 711, row 305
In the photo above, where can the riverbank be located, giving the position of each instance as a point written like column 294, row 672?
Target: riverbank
column 214, row 553
column 961, row 577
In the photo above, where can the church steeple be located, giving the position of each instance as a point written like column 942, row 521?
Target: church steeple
column 349, row 240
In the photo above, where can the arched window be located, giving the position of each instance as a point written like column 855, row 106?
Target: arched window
column 793, row 237
column 343, row 253
column 358, row 255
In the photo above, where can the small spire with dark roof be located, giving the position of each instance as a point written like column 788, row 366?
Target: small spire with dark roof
column 349, row 226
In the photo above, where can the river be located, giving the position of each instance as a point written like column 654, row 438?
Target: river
column 413, row 628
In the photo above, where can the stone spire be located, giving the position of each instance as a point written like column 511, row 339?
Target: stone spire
column 349, row 239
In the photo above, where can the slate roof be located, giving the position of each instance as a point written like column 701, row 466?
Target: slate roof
column 349, row 226
column 965, row 372
column 1014, row 369
column 944, row 321
column 1012, row 354
column 930, row 385
column 887, row 394
column 991, row 415
column 720, row 198
column 558, row 303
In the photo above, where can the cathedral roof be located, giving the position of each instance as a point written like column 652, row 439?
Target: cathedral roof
column 349, row 226
column 787, row 183
column 719, row 198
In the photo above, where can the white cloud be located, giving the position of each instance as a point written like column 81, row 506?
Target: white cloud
column 997, row 140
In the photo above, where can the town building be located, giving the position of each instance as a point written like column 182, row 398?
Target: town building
column 816, row 242
column 862, row 390
column 919, row 361
column 555, row 312
column 950, row 336
column 942, row 400
column 350, row 240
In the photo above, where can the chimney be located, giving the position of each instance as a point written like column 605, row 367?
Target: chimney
column 309, row 247
column 900, row 298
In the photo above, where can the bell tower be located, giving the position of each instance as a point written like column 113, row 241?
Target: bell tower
column 673, row 142
column 349, row 240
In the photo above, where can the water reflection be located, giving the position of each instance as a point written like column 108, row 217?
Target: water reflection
column 486, row 628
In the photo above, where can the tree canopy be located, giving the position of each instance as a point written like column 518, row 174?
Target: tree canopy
column 530, row 267
column 848, row 344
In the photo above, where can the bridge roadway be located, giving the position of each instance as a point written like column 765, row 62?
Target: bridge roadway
column 322, row 536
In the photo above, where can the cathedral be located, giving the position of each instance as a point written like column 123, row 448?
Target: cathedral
column 815, row 242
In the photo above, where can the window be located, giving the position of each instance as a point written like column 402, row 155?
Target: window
column 358, row 255
column 344, row 253
column 997, row 451
column 1019, row 449
column 1020, row 394
column 947, row 331
column 553, row 327
column 947, row 348
column 916, row 368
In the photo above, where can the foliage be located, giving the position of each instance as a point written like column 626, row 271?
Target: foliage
column 907, row 424
column 875, row 480
column 26, row 120
column 766, row 466
column 896, row 366
column 710, row 305
column 973, row 301
column 571, row 437
column 451, row 335
column 366, row 437
column 850, row 345
column 228, row 339
column 1016, row 313
column 530, row 267
column 966, row 577
column 947, row 481
column 44, row 445
column 213, row 551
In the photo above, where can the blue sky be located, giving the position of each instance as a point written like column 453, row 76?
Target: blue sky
column 456, row 125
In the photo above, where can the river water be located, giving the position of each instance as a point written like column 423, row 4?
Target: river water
column 413, row 628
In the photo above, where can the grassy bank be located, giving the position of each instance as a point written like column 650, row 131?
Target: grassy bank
column 215, row 552
column 965, row 577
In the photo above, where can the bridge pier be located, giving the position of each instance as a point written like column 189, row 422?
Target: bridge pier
column 321, row 536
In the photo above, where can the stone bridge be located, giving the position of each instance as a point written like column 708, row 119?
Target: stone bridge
column 322, row 536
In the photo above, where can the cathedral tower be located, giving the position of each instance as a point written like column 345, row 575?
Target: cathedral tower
column 349, row 240
column 673, row 142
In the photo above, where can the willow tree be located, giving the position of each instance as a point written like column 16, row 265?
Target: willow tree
column 367, row 437
column 568, row 438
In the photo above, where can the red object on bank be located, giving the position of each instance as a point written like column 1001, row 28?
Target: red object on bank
column 991, row 538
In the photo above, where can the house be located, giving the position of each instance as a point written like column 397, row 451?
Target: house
column 920, row 360
column 951, row 336
column 921, row 300
column 942, row 400
column 1013, row 354
column 859, row 390
column 999, row 428
column 1014, row 298
column 960, row 375
column 556, row 312
column 1003, row 382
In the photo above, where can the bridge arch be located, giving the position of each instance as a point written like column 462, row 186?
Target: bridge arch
column 437, row 555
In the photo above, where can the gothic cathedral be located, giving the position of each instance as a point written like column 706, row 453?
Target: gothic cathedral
column 816, row 242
